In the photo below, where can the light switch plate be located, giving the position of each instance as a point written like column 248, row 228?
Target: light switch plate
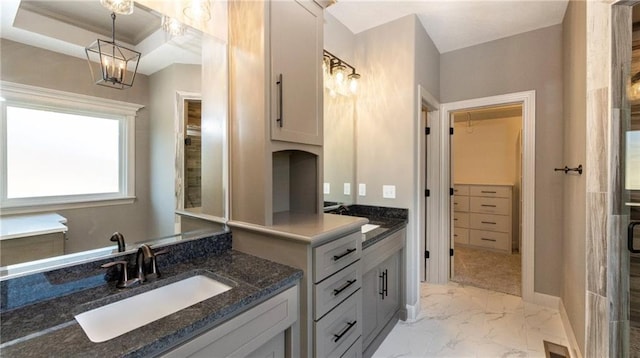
column 362, row 189
column 347, row 188
column 389, row 191
column 327, row 188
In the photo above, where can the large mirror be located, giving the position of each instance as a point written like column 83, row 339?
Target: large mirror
column 178, row 163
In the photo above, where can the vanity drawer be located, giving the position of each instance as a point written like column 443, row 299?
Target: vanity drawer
column 494, row 191
column 340, row 328
column 490, row 222
column 355, row 351
column 500, row 206
column 460, row 203
column 335, row 255
column 460, row 219
column 333, row 290
column 460, row 189
column 461, row 236
column 490, row 239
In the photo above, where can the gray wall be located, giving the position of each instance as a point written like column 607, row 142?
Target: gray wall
column 162, row 131
column 575, row 133
column 386, row 119
column 89, row 228
column 529, row 61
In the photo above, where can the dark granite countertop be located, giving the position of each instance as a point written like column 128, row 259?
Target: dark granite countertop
column 34, row 325
column 390, row 220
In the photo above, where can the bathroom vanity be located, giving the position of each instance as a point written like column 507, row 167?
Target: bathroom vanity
column 256, row 313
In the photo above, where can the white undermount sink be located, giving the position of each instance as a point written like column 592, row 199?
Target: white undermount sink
column 368, row 227
column 112, row 320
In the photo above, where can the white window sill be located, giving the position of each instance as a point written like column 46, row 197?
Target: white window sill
column 66, row 205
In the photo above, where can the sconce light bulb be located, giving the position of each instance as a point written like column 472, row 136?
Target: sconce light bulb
column 353, row 82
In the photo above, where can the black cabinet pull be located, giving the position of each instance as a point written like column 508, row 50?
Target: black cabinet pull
column 386, row 282
column 280, row 84
column 488, row 192
column 488, row 206
column 338, row 257
column 381, row 290
column 484, row 239
column 344, row 287
column 630, row 238
column 349, row 326
column 488, row 222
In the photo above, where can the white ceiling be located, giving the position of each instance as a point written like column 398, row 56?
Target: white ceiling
column 454, row 24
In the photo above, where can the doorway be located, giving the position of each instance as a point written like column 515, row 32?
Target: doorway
column 486, row 170
column 527, row 194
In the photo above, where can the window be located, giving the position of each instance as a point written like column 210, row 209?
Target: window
column 63, row 150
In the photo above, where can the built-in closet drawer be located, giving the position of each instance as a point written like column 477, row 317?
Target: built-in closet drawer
column 336, row 288
column 337, row 331
column 490, row 222
column 490, row 191
column 460, row 189
column 461, row 235
column 460, row 219
column 490, row 239
column 501, row 206
column 460, row 203
column 335, row 255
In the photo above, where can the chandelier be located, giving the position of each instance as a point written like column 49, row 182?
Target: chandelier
column 112, row 65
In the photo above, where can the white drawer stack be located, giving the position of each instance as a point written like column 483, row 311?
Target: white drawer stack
column 483, row 216
column 337, row 297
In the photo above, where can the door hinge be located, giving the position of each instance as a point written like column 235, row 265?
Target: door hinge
column 451, row 191
column 450, row 252
column 426, row 254
column 451, row 130
column 427, row 130
column 427, row 192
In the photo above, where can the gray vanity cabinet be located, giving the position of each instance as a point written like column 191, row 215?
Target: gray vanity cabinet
column 382, row 290
column 296, row 52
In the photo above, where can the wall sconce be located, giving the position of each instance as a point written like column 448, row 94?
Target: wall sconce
column 117, row 64
column 172, row 26
column 197, row 10
column 121, row 7
column 339, row 76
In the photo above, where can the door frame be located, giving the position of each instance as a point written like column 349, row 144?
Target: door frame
column 427, row 213
column 528, row 101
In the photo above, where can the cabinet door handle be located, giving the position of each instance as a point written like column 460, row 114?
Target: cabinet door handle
column 338, row 257
column 381, row 290
column 487, row 192
column 488, row 206
column 488, row 222
column 349, row 326
column 485, row 239
column 344, row 287
column 280, row 84
column 386, row 282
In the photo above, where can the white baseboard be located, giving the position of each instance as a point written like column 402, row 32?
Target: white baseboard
column 568, row 329
column 545, row 300
column 412, row 311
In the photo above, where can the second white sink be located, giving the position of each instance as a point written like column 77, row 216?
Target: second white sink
column 368, row 227
column 112, row 320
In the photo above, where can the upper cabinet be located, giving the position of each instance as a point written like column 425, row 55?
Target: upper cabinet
column 296, row 71
column 275, row 109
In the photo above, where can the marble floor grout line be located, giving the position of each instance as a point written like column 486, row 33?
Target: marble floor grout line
column 463, row 321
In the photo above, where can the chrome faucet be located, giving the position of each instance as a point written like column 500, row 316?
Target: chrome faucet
column 144, row 272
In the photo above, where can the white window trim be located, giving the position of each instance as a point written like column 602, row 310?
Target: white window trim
column 45, row 98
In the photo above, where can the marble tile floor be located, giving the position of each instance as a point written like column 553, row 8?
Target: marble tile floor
column 463, row 321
